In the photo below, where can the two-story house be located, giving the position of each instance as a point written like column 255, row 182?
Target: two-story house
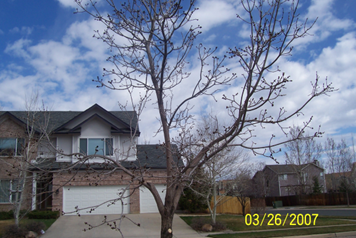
column 289, row 179
column 73, row 167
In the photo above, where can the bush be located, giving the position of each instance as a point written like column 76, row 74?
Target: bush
column 13, row 231
column 43, row 214
column 219, row 226
column 198, row 222
column 191, row 202
column 6, row 215
column 35, row 226
column 10, row 214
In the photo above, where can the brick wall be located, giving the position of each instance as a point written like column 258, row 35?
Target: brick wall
column 9, row 166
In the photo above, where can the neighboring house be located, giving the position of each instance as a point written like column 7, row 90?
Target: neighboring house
column 290, row 179
column 58, row 182
column 336, row 182
column 224, row 186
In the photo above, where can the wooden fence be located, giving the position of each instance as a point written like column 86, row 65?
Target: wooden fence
column 324, row 199
column 230, row 205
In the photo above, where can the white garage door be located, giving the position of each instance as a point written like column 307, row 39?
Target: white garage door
column 147, row 201
column 88, row 196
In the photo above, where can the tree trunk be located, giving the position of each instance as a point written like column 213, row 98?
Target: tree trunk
column 213, row 216
column 243, row 209
column 166, row 225
column 347, row 198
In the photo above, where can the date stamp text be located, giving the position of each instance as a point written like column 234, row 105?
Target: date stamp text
column 279, row 220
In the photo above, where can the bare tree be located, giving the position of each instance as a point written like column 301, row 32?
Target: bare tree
column 21, row 151
column 303, row 151
column 299, row 153
column 340, row 166
column 217, row 170
column 241, row 187
column 150, row 41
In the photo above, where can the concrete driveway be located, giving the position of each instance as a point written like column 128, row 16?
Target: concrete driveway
column 73, row 226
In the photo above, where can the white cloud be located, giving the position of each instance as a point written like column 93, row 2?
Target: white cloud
column 326, row 22
column 213, row 13
column 73, row 3
column 18, row 48
column 25, row 30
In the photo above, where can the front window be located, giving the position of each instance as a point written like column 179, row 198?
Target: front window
column 96, row 146
column 10, row 191
column 11, row 146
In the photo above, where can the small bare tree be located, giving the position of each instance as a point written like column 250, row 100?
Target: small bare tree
column 219, row 168
column 150, row 42
column 241, row 187
column 23, row 154
column 340, row 165
column 299, row 153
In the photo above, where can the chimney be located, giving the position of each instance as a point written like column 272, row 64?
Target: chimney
column 316, row 162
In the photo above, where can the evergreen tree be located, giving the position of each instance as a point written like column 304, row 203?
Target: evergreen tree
column 316, row 185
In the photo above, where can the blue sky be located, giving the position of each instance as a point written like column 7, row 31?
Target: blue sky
column 44, row 47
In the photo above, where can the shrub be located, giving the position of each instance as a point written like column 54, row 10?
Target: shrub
column 191, row 202
column 13, row 231
column 35, row 226
column 6, row 215
column 43, row 214
column 219, row 226
column 198, row 222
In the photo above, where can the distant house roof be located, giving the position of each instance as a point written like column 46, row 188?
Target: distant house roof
column 289, row 168
column 57, row 119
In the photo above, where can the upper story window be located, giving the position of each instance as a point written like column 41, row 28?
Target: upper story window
column 11, row 146
column 283, row 177
column 96, row 146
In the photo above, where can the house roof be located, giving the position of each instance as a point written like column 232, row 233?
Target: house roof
column 289, row 168
column 58, row 119
column 148, row 156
